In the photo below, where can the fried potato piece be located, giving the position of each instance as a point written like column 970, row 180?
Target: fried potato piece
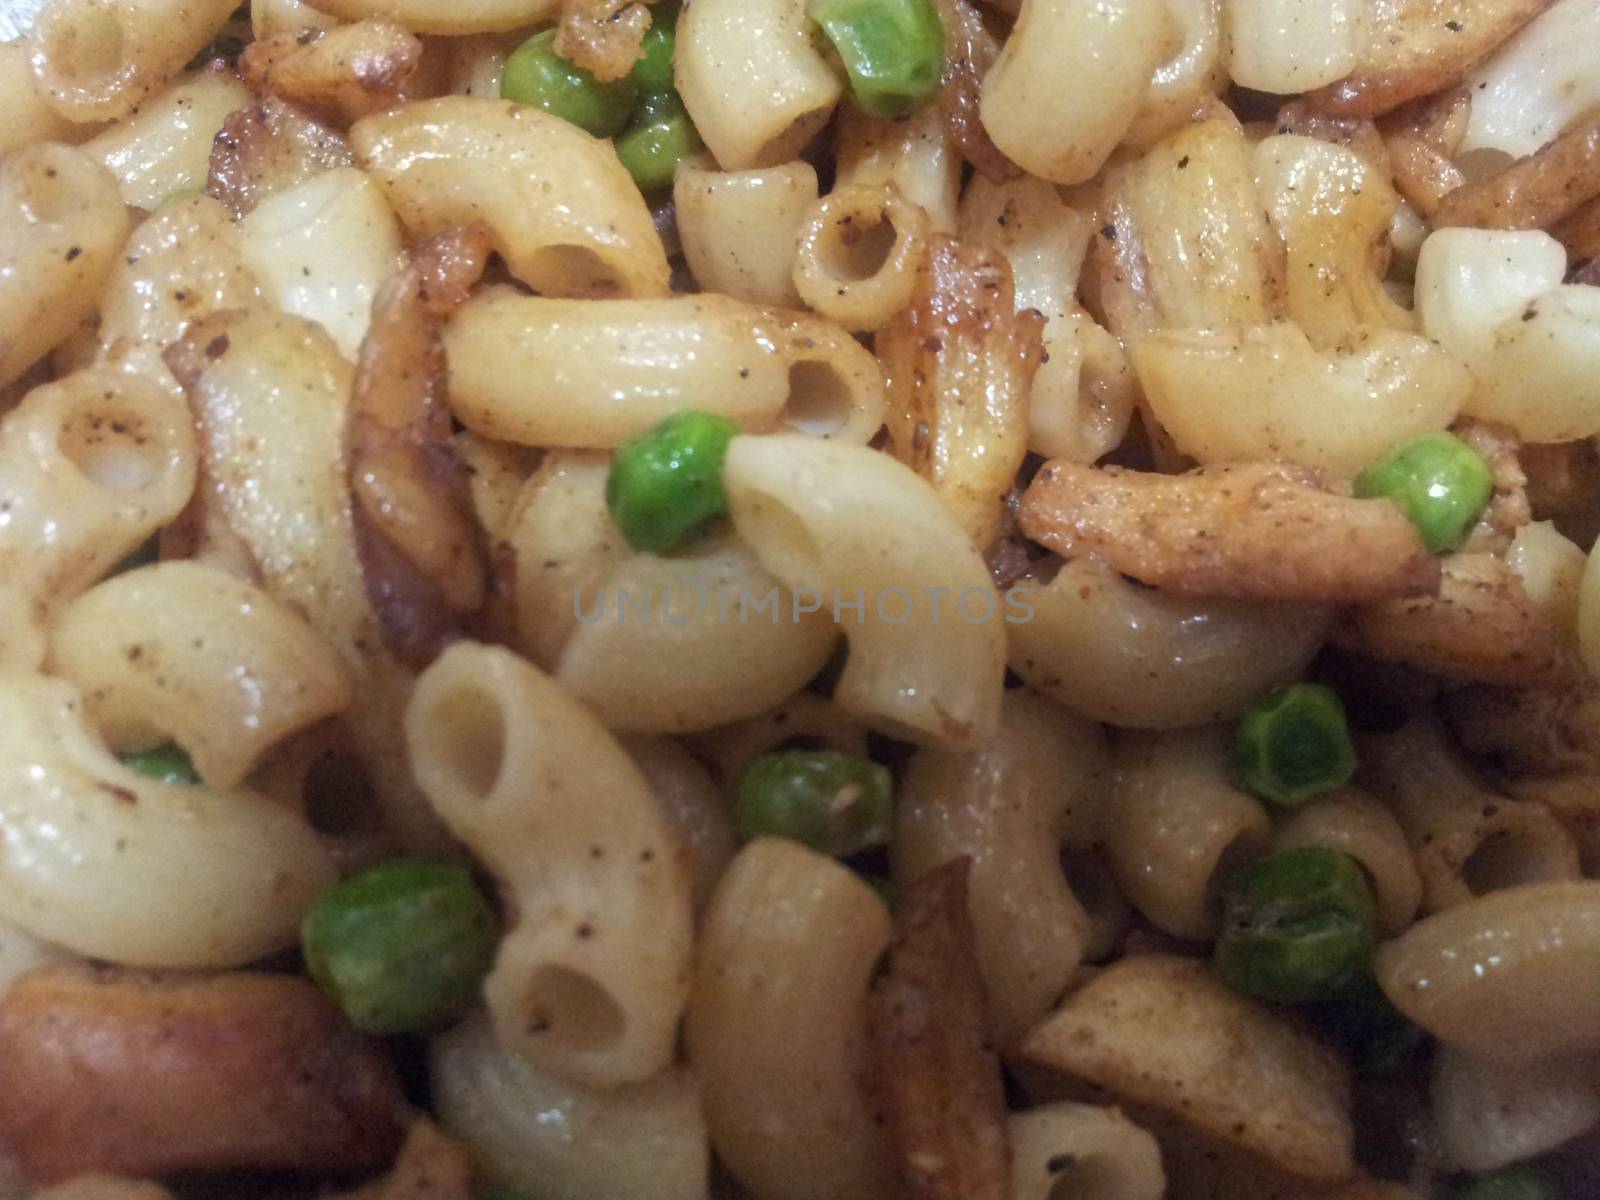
column 970, row 50
column 940, row 1078
column 1422, row 139
column 268, row 147
column 604, row 36
column 1534, row 192
column 1480, row 628
column 109, row 1070
column 958, row 364
column 342, row 74
column 1163, row 1033
column 1261, row 531
column 1415, row 47
column 431, row 1166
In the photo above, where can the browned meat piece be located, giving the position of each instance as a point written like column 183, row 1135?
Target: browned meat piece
column 268, row 147
column 1508, row 509
column 604, row 36
column 1534, row 192
column 1259, row 531
column 342, row 74
column 939, row 1077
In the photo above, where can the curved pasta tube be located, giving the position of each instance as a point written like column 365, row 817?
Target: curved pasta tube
column 563, row 212
column 144, row 649
column 107, row 862
column 591, row 979
column 693, row 805
column 25, row 117
column 1289, row 46
column 804, row 717
column 1537, row 83
column 1551, row 568
column 95, row 60
column 739, row 228
column 756, row 87
column 1010, row 807
column 1109, row 50
column 844, row 522
column 1176, row 827
column 1495, row 299
column 164, row 148
column 21, row 952
column 423, row 16
column 1265, row 392
column 268, row 17
column 1192, row 71
column 843, row 271
column 1082, row 1151
column 1487, row 1115
column 789, row 944
column 322, row 249
column 762, row 368
column 1508, row 977
column 532, row 1131
column 914, row 154
column 1106, row 649
column 663, row 644
column 62, row 223
column 1354, row 823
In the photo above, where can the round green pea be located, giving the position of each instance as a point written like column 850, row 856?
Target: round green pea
column 660, row 136
column 1297, row 925
column 1440, row 483
column 1294, row 744
column 535, row 74
column 402, row 946
column 168, row 763
column 1511, row 1183
column 666, row 485
column 838, row 804
column 892, row 50
column 653, row 71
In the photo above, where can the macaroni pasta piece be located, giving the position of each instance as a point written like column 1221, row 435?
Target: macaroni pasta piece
column 739, row 228
column 1083, row 1151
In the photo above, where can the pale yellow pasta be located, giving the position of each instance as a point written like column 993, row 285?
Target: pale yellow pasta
column 914, row 154
column 1115, row 652
column 1486, row 1114
column 1083, row 1151
column 739, row 228
column 852, row 526
column 1176, row 827
column 469, row 16
column 693, row 805
column 1010, row 807
column 762, row 368
column 21, row 952
column 144, row 648
column 1508, row 977
column 1194, row 69
column 1108, row 49
column 496, row 474
column 1551, row 568
column 1353, row 823
column 112, row 864
column 591, row 978
column 1265, row 392
column 164, row 149
column 857, row 258
column 97, row 60
column 1495, row 299
column 62, row 223
column 268, row 17
column 25, row 118
column 1537, row 83
column 565, row 216
column 475, row 63
column 530, row 1130
column 1287, row 46
column 787, row 950
column 322, row 249
column 753, row 82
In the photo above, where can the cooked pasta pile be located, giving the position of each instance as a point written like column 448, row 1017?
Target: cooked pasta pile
column 800, row 600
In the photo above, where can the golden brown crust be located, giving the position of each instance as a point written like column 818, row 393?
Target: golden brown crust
column 970, row 50
column 109, row 1070
column 939, row 1077
column 604, row 36
column 1422, row 138
column 1534, row 192
column 1257, row 531
column 343, row 74
column 268, row 147
column 1359, row 134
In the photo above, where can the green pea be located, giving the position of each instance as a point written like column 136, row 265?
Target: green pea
column 535, row 74
column 1297, row 925
column 838, row 804
column 1511, row 1183
column 660, row 136
column 893, row 50
column 167, row 762
column 1440, row 483
column 1366, row 1026
column 401, row 946
column 1294, row 744
column 666, row 485
column 653, row 71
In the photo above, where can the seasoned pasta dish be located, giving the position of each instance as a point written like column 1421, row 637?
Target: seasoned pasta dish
column 800, row 600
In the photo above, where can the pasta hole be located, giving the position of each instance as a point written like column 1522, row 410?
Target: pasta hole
column 820, row 400
column 111, row 448
column 859, row 248
column 469, row 741
column 85, row 46
column 338, row 796
column 792, row 550
column 570, row 1007
column 575, row 271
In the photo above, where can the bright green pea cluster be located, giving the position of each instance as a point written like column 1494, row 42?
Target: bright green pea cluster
column 535, row 74
column 1294, row 744
column 1512, row 1183
column 401, row 946
column 1438, row 481
column 892, row 50
column 1298, row 925
column 167, row 763
column 837, row 804
column 666, row 485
